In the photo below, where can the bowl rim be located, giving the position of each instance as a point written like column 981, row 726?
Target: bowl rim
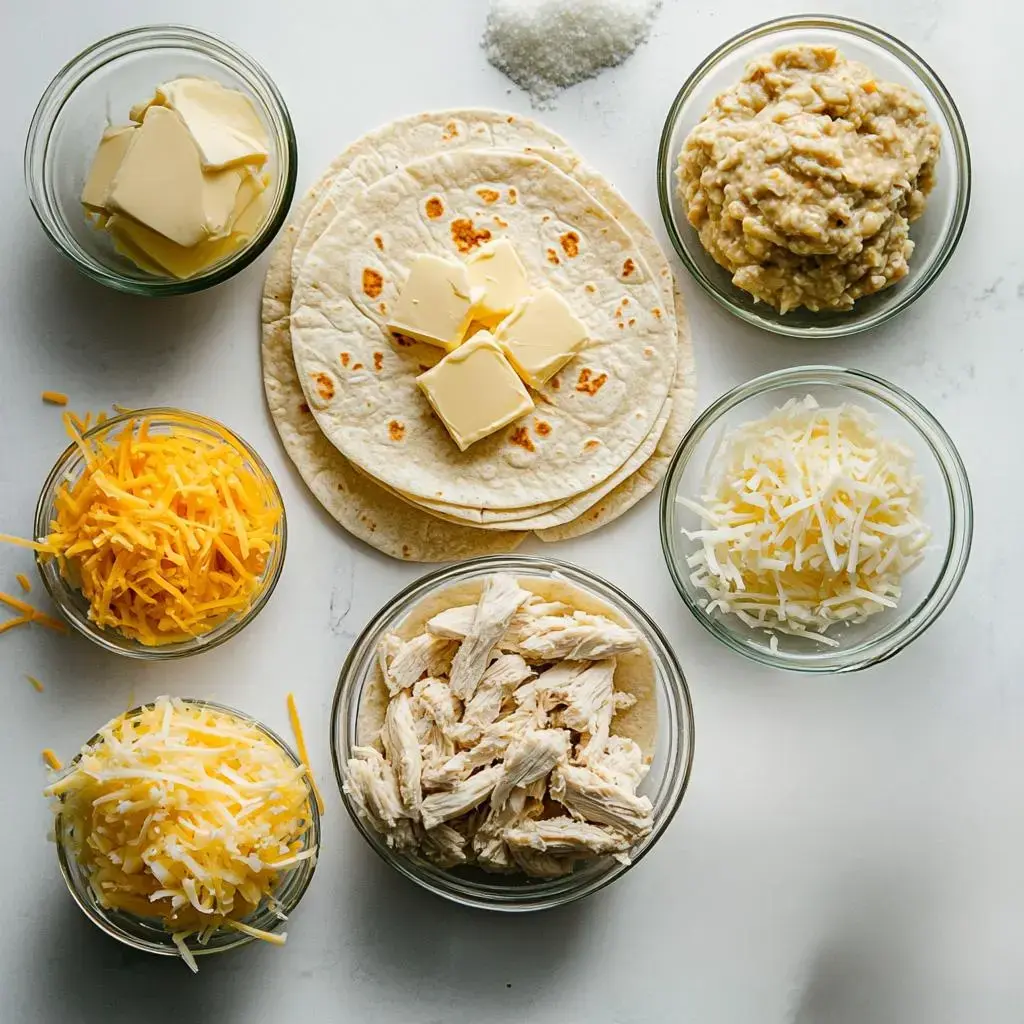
column 957, row 489
column 961, row 161
column 100, row 917
column 57, row 590
column 90, row 60
column 674, row 688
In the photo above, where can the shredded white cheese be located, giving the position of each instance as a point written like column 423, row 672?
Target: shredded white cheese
column 545, row 46
column 809, row 518
column 186, row 814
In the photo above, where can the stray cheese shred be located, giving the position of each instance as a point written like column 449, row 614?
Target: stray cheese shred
column 166, row 533
column 53, row 762
column 185, row 813
column 809, row 518
column 300, row 743
column 28, row 613
column 36, row 684
column 24, row 582
column 54, row 397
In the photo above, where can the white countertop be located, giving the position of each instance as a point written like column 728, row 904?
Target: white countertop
column 850, row 850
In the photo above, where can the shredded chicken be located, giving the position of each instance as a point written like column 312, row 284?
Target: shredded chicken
column 497, row 741
column 464, row 797
column 589, row 797
column 499, row 601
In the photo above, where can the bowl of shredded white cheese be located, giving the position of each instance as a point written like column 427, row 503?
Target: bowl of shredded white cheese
column 817, row 519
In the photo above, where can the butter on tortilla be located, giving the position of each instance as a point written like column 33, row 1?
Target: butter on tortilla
column 540, row 336
column 436, row 303
column 497, row 271
column 475, row 391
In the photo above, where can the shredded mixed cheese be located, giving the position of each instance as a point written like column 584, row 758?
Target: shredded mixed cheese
column 166, row 532
column 809, row 518
column 187, row 814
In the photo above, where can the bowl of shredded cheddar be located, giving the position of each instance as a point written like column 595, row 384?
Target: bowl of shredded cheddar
column 185, row 828
column 159, row 533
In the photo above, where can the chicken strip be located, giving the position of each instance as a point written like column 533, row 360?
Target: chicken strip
column 460, row 766
column 455, row 622
column 539, row 865
column 402, row 746
column 443, row 846
column 444, row 806
column 589, row 797
column 499, row 601
column 580, row 637
column 617, row 759
column 372, row 786
column 531, row 759
column 488, row 843
column 503, row 675
column 565, row 837
column 405, row 662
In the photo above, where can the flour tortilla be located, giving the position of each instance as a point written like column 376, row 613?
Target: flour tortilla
column 634, row 673
column 362, row 508
column 361, row 384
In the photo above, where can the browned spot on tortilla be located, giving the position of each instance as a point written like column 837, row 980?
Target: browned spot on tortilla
column 521, row 436
column 628, row 267
column 556, row 383
column 513, row 196
column 625, row 300
column 509, row 119
column 553, row 257
column 396, row 430
column 451, row 131
column 657, row 313
column 303, row 407
column 378, row 360
column 344, row 357
column 373, row 282
column 379, row 242
column 406, row 551
column 588, row 383
column 357, row 366
column 542, row 427
column 324, row 386
column 545, row 218
column 488, row 195
column 383, row 307
column 402, row 340
column 570, row 244
column 631, row 321
column 434, row 207
column 591, row 444
column 501, row 223
column 622, row 326
column 590, row 287
column 618, row 312
column 467, row 236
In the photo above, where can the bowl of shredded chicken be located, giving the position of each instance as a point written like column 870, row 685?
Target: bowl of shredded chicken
column 512, row 733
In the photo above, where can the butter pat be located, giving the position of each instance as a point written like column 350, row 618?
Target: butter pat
column 112, row 148
column 161, row 183
column 223, row 122
column 436, row 304
column 498, row 274
column 475, row 391
column 540, row 336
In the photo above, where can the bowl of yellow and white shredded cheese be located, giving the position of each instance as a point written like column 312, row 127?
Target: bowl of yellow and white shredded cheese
column 159, row 533
column 185, row 828
column 817, row 519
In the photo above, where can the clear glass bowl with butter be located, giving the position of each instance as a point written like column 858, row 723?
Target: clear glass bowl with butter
column 97, row 90
column 945, row 509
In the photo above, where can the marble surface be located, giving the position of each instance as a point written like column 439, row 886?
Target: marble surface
column 849, row 850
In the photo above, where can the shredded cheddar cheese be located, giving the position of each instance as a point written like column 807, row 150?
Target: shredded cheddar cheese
column 53, row 762
column 187, row 814
column 300, row 743
column 54, row 397
column 28, row 613
column 24, row 582
column 809, row 518
column 167, row 532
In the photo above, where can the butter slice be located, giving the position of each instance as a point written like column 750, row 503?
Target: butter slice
column 475, row 391
column 496, row 271
column 161, row 183
column 540, row 336
column 436, row 303
column 223, row 122
column 112, row 148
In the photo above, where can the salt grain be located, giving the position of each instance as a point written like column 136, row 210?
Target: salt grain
column 545, row 46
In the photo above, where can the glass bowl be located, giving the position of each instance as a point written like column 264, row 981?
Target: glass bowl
column 148, row 934
column 927, row 588
column 98, row 88
column 935, row 234
column 73, row 604
column 664, row 785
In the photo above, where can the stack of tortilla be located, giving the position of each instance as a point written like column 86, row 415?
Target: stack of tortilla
column 342, row 390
